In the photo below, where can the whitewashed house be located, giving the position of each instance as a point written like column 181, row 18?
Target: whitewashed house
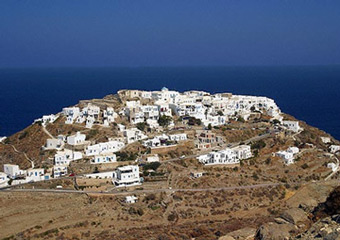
column 145, row 94
column 135, row 114
column 106, row 158
column 59, row 171
column 196, row 174
column 288, row 155
column 326, row 139
column 226, row 156
column 35, row 174
column 90, row 120
column 66, row 156
column 109, row 116
column 164, row 95
column 131, row 199
column 101, row 175
column 163, row 108
column 196, row 110
column 13, row 171
column 334, row 148
column 133, row 135
column 153, row 158
column 242, row 152
column 54, row 143
column 76, row 139
column 333, row 166
column 178, row 137
column 150, row 112
column 71, row 114
column 104, row 148
column 156, row 141
column 3, row 179
column 153, row 124
column 91, row 110
column 292, row 125
column 214, row 120
column 127, row 176
column 121, row 127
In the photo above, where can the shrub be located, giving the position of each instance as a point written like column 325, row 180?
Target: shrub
column 304, row 166
column 23, row 135
column 258, row 145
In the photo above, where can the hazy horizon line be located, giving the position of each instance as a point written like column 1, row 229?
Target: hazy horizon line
column 169, row 66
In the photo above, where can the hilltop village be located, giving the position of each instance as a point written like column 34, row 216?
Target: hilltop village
column 137, row 142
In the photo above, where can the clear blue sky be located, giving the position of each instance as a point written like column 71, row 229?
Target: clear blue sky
column 43, row 33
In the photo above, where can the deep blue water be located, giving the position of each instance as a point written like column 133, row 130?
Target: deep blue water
column 308, row 93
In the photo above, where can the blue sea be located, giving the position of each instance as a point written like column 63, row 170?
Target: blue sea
column 310, row 93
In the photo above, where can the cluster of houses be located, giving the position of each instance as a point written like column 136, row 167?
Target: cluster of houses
column 89, row 115
column 165, row 140
column 18, row 176
column 211, row 109
column 125, row 176
column 332, row 147
column 227, row 156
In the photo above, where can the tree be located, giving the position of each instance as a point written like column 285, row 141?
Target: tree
column 240, row 119
column 275, row 121
column 220, row 113
column 164, row 120
column 141, row 126
column 258, row 145
column 209, row 126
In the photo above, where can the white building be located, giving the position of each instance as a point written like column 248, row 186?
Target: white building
column 334, row 148
column 154, row 158
column 2, row 139
column 127, row 176
column 59, row 171
column 165, row 95
column 13, row 171
column 288, row 155
column 133, row 135
column 333, row 166
column 71, row 114
column 150, row 112
column 163, row 108
column 35, row 174
column 178, row 137
column 242, row 152
column 101, row 175
column 107, row 158
column 109, row 116
column 156, row 141
column 152, row 123
column 53, row 143
column 3, row 179
column 131, row 199
column 292, row 125
column 104, row 148
column 214, row 120
column 76, row 139
column 196, row 110
column 226, row 156
column 66, row 156
column 326, row 139
column 196, row 174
